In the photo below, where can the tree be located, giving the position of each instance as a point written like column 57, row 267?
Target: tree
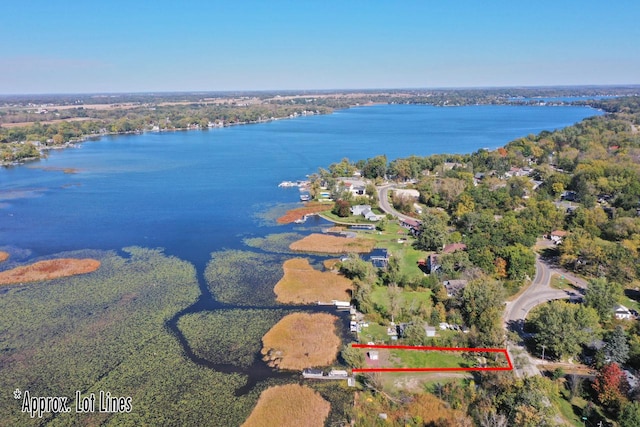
column 353, row 357
column 482, row 307
column 433, row 233
column 630, row 415
column 602, row 296
column 611, row 386
column 563, row 327
column 617, row 347
column 342, row 208
column 375, row 167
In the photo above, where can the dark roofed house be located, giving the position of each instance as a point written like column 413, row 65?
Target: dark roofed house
column 379, row 257
column 454, row 287
column 412, row 225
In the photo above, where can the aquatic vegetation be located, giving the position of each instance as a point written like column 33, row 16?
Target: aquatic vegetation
column 48, row 270
column 106, row 331
column 243, row 277
column 228, row 336
column 302, row 284
column 321, row 243
column 302, row 340
column 278, row 243
column 289, row 405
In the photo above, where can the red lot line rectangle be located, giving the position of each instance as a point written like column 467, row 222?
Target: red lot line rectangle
column 427, row 348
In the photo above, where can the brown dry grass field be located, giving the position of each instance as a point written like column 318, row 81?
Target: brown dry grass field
column 3, row 256
column 328, row 244
column 302, row 284
column 47, row 270
column 301, row 340
column 297, row 213
column 290, row 405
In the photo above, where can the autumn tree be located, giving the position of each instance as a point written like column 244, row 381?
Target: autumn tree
column 612, row 387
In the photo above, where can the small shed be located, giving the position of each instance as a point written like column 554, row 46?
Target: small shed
column 373, row 355
column 430, row 331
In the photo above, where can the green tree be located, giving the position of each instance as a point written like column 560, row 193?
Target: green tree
column 617, row 347
column 342, row 208
column 482, row 307
column 603, row 297
column 563, row 327
column 354, row 357
column 630, row 415
column 375, row 167
column 432, row 234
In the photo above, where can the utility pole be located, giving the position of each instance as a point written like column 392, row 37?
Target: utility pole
column 543, row 351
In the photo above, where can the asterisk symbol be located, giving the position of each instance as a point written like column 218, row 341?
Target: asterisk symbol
column 17, row 394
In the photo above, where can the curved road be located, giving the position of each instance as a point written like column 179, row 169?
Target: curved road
column 539, row 292
column 385, row 206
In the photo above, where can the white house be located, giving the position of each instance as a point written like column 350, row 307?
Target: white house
column 622, row 313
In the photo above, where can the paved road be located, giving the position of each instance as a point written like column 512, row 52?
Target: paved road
column 385, row 206
column 539, row 292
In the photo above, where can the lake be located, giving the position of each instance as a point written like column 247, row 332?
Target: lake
column 195, row 192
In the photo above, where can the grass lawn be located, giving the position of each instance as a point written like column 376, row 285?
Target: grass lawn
column 380, row 297
column 428, row 359
column 558, row 281
column 374, row 333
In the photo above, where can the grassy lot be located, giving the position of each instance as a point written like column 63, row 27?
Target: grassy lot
column 558, row 281
column 380, row 296
column 428, row 359
column 374, row 333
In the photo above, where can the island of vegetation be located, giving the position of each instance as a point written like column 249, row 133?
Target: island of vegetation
column 48, row 270
column 4, row 256
column 302, row 340
column 328, row 244
column 289, row 405
column 302, row 284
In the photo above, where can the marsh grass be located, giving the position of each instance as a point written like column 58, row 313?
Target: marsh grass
column 243, row 277
column 228, row 336
column 302, row 284
column 4, row 256
column 302, row 340
column 321, row 243
column 289, row 405
column 297, row 213
column 278, row 243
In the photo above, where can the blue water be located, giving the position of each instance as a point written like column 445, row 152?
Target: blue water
column 199, row 191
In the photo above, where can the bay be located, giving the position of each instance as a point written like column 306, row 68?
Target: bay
column 195, row 192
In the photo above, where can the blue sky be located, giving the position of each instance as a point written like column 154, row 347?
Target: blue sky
column 137, row 46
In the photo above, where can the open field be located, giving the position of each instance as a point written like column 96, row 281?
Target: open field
column 3, row 256
column 298, row 213
column 321, row 243
column 48, row 270
column 302, row 284
column 302, row 340
column 289, row 405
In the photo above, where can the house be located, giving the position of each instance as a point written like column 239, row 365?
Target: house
column 433, row 264
column 454, row 287
column 622, row 313
column 410, row 224
column 365, row 211
column 557, row 235
column 453, row 247
column 379, row 257
column 312, row 373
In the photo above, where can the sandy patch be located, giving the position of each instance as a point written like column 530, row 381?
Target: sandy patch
column 290, row 405
column 48, row 270
column 301, row 340
column 3, row 256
